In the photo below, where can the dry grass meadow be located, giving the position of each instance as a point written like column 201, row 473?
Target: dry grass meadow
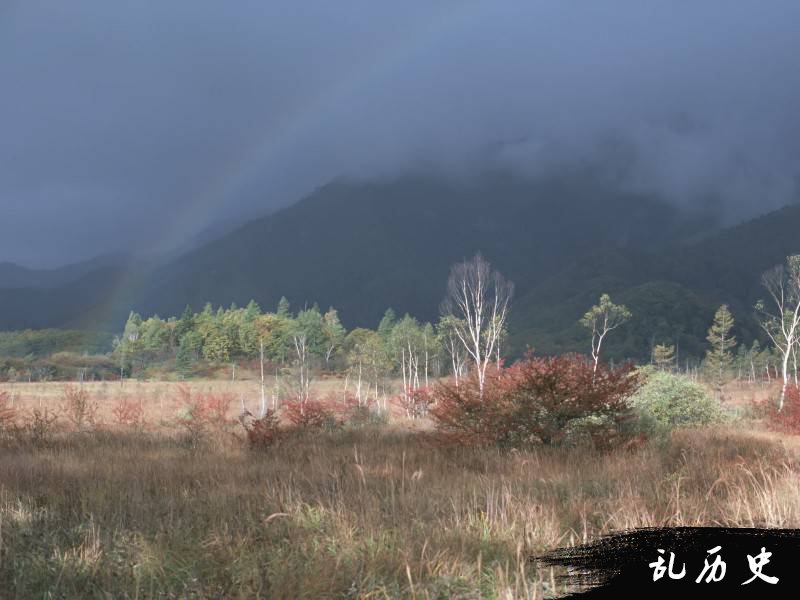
column 379, row 511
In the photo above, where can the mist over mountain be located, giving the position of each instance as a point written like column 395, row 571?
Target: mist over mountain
column 183, row 114
column 348, row 154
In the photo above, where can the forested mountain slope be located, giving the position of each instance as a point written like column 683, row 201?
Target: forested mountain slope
column 365, row 246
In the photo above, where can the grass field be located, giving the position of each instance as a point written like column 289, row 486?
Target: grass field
column 373, row 512
column 160, row 400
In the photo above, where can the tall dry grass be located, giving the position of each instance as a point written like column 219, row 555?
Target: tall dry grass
column 368, row 513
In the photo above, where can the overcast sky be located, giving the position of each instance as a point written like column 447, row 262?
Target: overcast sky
column 136, row 125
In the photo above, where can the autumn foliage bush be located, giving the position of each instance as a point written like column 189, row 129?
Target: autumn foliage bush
column 200, row 412
column 330, row 412
column 313, row 413
column 263, row 433
column 538, row 401
column 786, row 420
column 129, row 413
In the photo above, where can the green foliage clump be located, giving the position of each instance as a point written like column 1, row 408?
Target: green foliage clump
column 669, row 401
column 45, row 342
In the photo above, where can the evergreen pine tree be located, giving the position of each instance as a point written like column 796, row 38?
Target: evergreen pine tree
column 664, row 357
column 185, row 323
column 184, row 359
column 283, row 308
column 387, row 323
column 719, row 357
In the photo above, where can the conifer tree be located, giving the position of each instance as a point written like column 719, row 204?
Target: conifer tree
column 719, row 357
column 184, row 357
column 387, row 324
column 185, row 323
column 664, row 357
column 283, row 308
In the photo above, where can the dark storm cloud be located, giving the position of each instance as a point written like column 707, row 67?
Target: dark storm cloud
column 138, row 126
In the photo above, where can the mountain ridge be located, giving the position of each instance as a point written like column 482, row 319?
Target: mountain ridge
column 366, row 246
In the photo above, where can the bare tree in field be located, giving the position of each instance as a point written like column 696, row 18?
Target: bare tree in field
column 601, row 319
column 263, row 388
column 782, row 323
column 479, row 298
column 300, row 339
column 449, row 341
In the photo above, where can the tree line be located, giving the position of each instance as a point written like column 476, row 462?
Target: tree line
column 470, row 334
column 308, row 341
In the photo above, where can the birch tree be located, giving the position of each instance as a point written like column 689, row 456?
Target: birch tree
column 601, row 319
column 479, row 298
column 781, row 321
column 300, row 339
column 407, row 343
column 308, row 340
column 358, row 358
column 449, row 341
column 333, row 332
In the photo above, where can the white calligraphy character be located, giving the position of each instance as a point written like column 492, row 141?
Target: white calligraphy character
column 717, row 564
column 659, row 569
column 757, row 563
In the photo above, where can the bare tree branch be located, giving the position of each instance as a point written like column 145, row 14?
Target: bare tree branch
column 479, row 298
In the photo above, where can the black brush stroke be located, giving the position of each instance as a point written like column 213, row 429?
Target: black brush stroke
column 616, row 566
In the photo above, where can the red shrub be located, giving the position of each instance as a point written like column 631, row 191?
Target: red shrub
column 537, row 401
column 214, row 408
column 461, row 415
column 786, row 420
column 262, row 433
column 204, row 409
column 312, row 414
column 201, row 411
column 129, row 413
